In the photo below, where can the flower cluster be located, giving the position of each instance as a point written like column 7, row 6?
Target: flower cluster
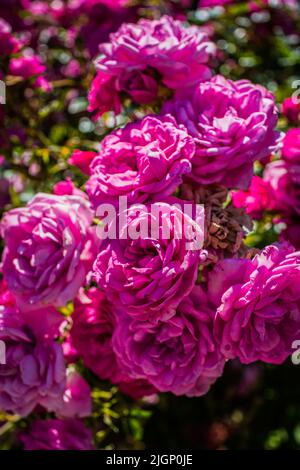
column 130, row 263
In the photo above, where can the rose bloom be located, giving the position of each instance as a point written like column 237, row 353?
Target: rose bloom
column 151, row 266
column 34, row 373
column 254, row 4
column 258, row 317
column 57, row 434
column 82, row 160
column 8, row 44
column 77, row 400
column 48, row 249
column 284, row 175
column 26, row 67
column 93, row 323
column 178, row 355
column 290, row 108
column 291, row 146
column 4, row 193
column 91, row 333
column 284, row 179
column 257, row 199
column 6, row 297
column 146, row 158
column 67, row 187
column 232, row 124
column 138, row 54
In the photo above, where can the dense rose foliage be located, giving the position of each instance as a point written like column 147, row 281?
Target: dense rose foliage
column 232, row 124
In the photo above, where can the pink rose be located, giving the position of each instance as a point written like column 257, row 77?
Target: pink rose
column 284, row 179
column 144, row 159
column 93, row 323
column 34, row 372
column 151, row 266
column 82, row 160
column 257, row 199
column 93, row 326
column 49, row 249
column 8, row 44
column 178, row 355
column 138, row 52
column 258, row 317
column 77, row 401
column 232, row 124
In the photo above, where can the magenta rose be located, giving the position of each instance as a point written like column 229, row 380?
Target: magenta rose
column 137, row 53
column 137, row 388
column 145, row 159
column 26, row 66
column 258, row 317
column 290, row 108
column 284, row 179
column 34, row 372
column 103, row 96
column 48, row 249
column 82, row 160
column 153, row 263
column 91, row 333
column 291, row 146
column 257, row 199
column 232, row 124
column 179, row 355
column 67, row 188
column 57, row 434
